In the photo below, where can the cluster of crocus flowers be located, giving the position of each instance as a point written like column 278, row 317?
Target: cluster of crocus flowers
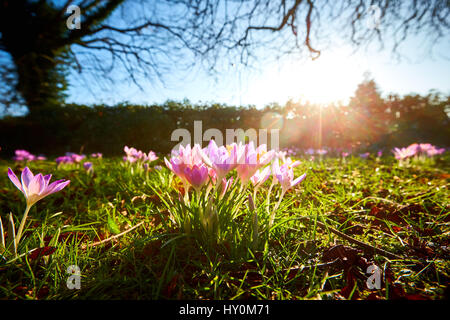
column 210, row 167
column 133, row 155
column 24, row 155
column 418, row 150
column 364, row 155
column 34, row 188
column 70, row 158
column 97, row 155
column 199, row 167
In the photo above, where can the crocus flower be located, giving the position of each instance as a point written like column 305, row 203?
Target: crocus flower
column 251, row 159
column 75, row 157
column 23, row 155
column 434, row 151
column 132, row 155
column 345, row 154
column 63, row 159
column 260, row 176
column 88, row 166
column 197, row 175
column 403, row 153
column 34, row 188
column 184, row 157
column 222, row 159
column 151, row 156
column 97, row 155
column 364, row 155
column 285, row 175
column 310, row 151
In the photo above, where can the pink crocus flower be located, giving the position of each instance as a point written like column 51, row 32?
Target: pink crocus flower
column 434, row 151
column 185, row 157
column 222, row 159
column 151, row 156
column 21, row 155
column 251, row 159
column 197, row 175
column 403, row 153
column 364, row 155
column 75, row 157
column 34, row 188
column 284, row 174
column 63, row 159
column 97, row 155
column 260, row 176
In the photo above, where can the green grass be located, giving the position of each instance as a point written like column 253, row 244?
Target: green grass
column 403, row 210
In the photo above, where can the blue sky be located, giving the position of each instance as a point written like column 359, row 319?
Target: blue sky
column 333, row 77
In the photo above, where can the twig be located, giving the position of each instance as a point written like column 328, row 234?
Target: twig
column 366, row 246
column 110, row 238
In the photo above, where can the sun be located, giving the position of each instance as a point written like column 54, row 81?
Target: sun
column 332, row 78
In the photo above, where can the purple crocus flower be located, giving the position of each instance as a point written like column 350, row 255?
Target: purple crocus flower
column 88, row 166
column 260, row 176
column 251, row 159
column 23, row 155
column 151, row 156
column 434, row 151
column 63, row 159
column 404, row 153
column 222, row 159
column 197, row 175
column 184, row 157
column 35, row 187
column 284, row 174
column 364, row 155
column 75, row 157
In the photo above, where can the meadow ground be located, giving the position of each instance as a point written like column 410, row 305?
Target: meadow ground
column 321, row 246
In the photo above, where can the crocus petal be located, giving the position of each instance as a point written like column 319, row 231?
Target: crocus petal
column 36, row 184
column 298, row 180
column 59, row 187
column 47, row 179
column 51, row 187
column 26, row 178
column 14, row 179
